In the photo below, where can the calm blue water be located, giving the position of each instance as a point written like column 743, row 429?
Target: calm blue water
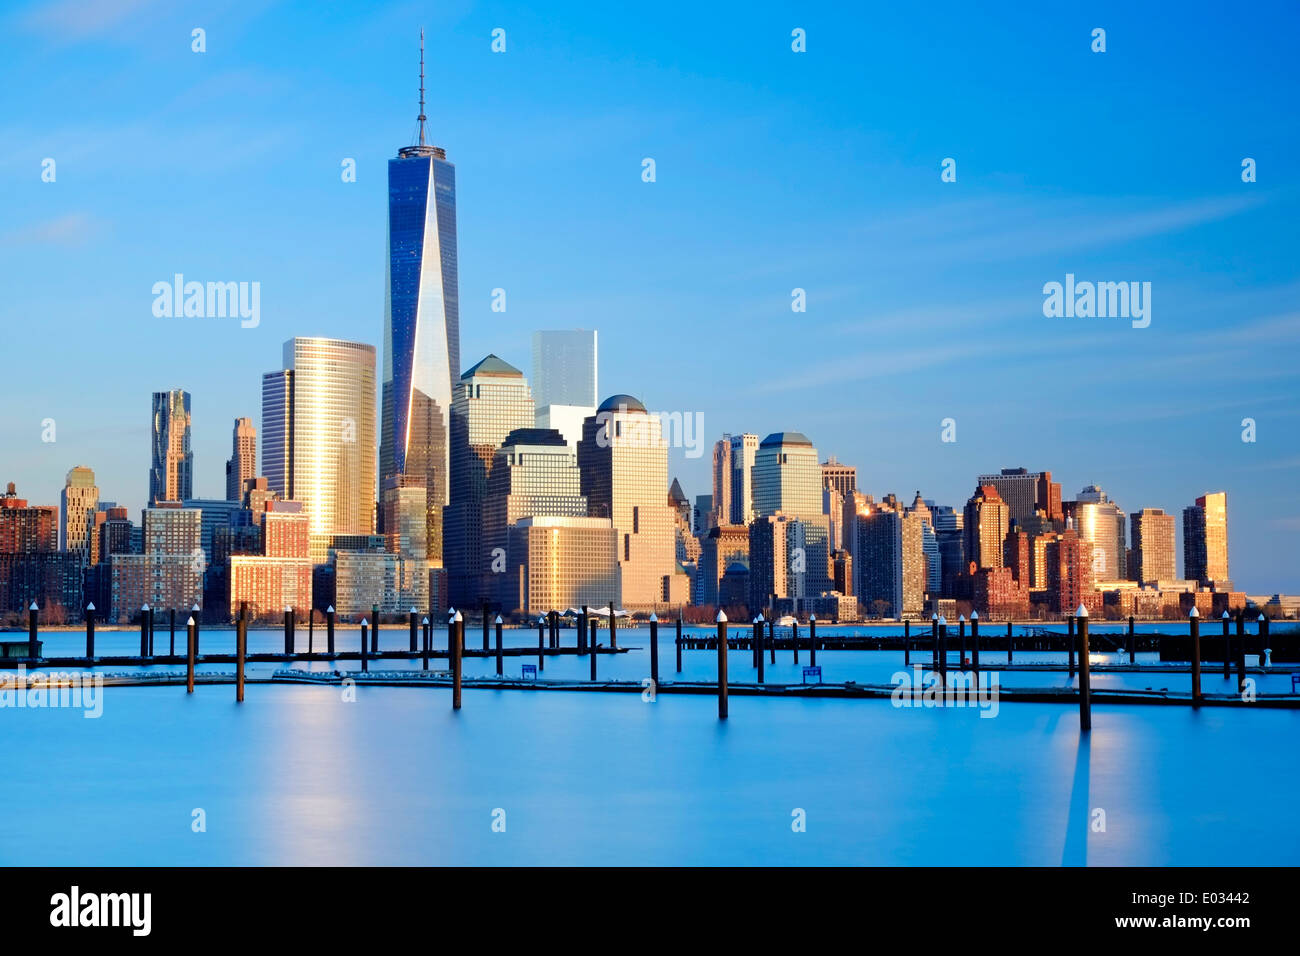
column 298, row 776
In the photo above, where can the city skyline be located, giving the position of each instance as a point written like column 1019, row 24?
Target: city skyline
column 1233, row 331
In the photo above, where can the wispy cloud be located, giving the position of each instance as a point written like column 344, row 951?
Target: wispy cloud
column 78, row 19
column 68, row 230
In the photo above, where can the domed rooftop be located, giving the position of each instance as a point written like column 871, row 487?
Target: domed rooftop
column 785, row 438
column 617, row 403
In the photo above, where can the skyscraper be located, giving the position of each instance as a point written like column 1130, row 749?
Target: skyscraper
column 891, row 579
column 491, row 400
column 721, row 481
column 743, row 449
column 564, row 368
column 1102, row 524
column 243, row 459
column 171, row 473
column 787, row 476
column 1026, row 492
column 421, row 322
column 1205, row 539
column 986, row 520
column 623, row 461
column 322, row 415
column 79, row 501
column 1154, row 542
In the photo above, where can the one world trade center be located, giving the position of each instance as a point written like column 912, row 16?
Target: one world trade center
column 421, row 326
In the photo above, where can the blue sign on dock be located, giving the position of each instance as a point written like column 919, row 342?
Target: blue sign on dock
column 814, row 672
column 530, row 672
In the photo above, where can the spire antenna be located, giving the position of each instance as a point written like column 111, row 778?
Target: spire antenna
column 422, row 116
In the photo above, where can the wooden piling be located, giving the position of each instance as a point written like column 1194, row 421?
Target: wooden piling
column 426, row 643
column 500, row 659
column 934, row 642
column 1241, row 653
column 311, row 630
column 151, row 631
column 654, row 650
column 364, row 662
column 1085, row 689
column 613, row 627
column 961, row 642
column 582, row 631
column 975, row 643
column 198, row 630
column 241, row 650
column 374, row 629
column 812, row 639
column 1227, row 648
column 1263, row 639
column 457, row 646
column 329, row 629
column 679, row 642
column 192, row 651
column 412, row 620
column 1132, row 640
column 758, row 636
column 907, row 643
column 943, row 651
column 541, row 644
column 90, row 632
column 1010, row 642
column 144, row 629
column 722, row 666
column 288, row 631
column 171, row 629
column 594, row 646
column 1194, row 622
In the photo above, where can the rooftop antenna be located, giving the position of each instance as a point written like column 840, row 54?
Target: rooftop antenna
column 422, row 117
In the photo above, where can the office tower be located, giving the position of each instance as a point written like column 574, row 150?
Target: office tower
column 987, row 520
column 703, row 515
column 769, row 562
column 1205, row 539
column 242, row 465
column 168, row 571
column 722, row 480
column 743, row 450
column 318, row 425
column 557, row 562
column 787, row 477
column 32, row 568
column 564, row 368
column 1154, row 546
column 1102, row 524
column 363, row 579
column 929, row 545
column 78, row 502
column 27, row 528
column 722, row 546
column 623, row 461
column 171, row 474
column 842, row 478
column 891, row 576
column 1026, row 492
column 949, row 530
column 279, row 575
column 491, row 400
column 277, row 430
column 789, row 561
column 1069, row 574
column 421, row 323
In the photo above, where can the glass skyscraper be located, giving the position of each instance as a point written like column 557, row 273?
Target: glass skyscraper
column 564, row 367
column 421, row 324
column 171, row 473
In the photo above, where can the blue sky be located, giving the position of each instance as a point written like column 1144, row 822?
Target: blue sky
column 775, row 170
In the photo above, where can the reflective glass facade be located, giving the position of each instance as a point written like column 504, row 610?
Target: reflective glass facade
column 421, row 327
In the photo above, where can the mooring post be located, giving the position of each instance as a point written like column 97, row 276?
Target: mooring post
column 1085, row 690
column 1263, row 641
column 458, row 625
column 198, row 633
column 288, row 631
column 961, row 642
column 722, row 666
column 594, row 645
column 654, row 649
column 500, row 660
column 311, row 630
column 907, row 642
column 1194, row 622
column 374, row 629
column 1227, row 648
column 412, row 620
column 753, row 643
column 812, row 639
column 144, row 627
column 541, row 643
column 771, row 641
column 1241, row 652
column 1010, row 642
column 943, row 651
column 794, row 637
column 582, row 632
column 1069, row 641
column 171, row 643
column 192, row 644
column 426, row 642
column 679, row 642
column 934, row 642
column 758, row 637
column 364, row 627
column 151, row 631
column 975, row 643
column 241, row 650
column 90, row 632
column 613, row 627
column 329, row 629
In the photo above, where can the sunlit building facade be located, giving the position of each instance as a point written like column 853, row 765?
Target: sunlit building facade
column 171, row 472
column 1205, row 539
column 559, row 562
column 78, row 503
column 743, row 449
column 242, row 465
column 1155, row 556
column 1104, row 526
